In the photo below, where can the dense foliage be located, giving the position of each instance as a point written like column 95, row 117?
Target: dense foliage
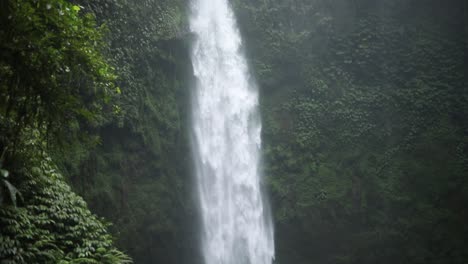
column 364, row 107
column 54, row 80
column 137, row 177
column 51, row 224
column 365, row 128
column 52, row 70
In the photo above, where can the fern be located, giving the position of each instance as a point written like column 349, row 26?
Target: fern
column 54, row 225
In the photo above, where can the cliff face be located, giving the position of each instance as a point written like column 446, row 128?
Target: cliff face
column 363, row 106
column 138, row 176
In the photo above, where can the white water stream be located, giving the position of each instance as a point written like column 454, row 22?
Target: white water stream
column 236, row 226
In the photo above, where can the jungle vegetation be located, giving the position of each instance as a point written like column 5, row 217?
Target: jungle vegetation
column 365, row 130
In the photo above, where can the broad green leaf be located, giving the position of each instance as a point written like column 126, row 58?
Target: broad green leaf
column 4, row 173
column 13, row 192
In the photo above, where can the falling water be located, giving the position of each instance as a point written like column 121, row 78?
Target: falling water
column 236, row 227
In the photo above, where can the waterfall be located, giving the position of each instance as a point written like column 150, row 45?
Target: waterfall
column 236, row 226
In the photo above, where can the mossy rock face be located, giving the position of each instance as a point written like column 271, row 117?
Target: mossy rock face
column 52, row 224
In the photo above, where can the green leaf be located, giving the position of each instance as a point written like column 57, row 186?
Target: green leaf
column 12, row 191
column 76, row 8
column 4, row 173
